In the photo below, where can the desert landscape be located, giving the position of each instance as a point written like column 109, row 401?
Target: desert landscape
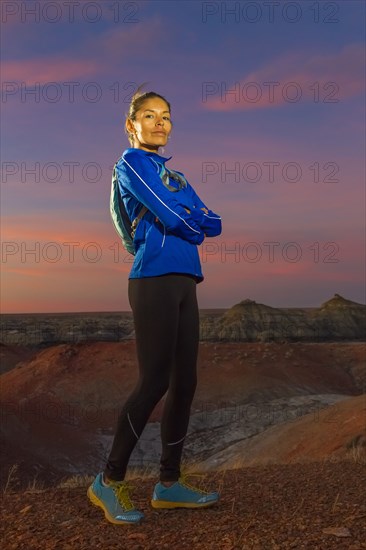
column 278, row 424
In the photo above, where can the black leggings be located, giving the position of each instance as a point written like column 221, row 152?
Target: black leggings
column 166, row 321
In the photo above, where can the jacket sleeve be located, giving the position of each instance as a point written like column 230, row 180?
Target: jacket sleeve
column 139, row 177
column 210, row 223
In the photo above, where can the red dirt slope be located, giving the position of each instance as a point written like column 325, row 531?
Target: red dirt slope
column 54, row 406
column 339, row 431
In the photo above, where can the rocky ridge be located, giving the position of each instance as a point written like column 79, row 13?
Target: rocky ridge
column 337, row 319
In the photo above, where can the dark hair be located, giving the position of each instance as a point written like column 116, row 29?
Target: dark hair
column 137, row 101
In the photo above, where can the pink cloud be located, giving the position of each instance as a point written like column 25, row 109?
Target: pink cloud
column 97, row 54
column 344, row 70
column 47, row 69
column 117, row 43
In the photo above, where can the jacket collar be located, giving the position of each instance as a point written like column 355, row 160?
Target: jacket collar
column 149, row 153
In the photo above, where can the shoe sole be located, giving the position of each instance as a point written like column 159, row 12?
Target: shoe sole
column 95, row 500
column 169, row 505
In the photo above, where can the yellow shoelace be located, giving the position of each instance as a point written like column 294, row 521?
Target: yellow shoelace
column 121, row 489
column 183, row 481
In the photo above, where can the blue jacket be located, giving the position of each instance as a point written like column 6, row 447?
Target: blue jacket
column 167, row 236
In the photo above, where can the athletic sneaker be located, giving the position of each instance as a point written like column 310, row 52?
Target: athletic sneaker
column 114, row 500
column 182, row 495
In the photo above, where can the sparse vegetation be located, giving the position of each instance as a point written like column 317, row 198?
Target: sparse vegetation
column 357, row 448
column 11, row 478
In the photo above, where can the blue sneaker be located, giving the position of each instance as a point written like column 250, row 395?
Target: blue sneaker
column 182, row 495
column 114, row 500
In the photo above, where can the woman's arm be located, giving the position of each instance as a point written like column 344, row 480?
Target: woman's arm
column 137, row 174
column 208, row 221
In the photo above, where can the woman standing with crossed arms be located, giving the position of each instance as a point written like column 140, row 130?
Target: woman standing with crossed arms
column 162, row 295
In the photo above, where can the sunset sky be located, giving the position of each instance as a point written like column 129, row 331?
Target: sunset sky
column 268, row 113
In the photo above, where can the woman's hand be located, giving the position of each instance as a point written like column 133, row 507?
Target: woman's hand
column 187, row 210
column 204, row 209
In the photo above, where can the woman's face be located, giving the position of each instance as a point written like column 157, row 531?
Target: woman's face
column 152, row 126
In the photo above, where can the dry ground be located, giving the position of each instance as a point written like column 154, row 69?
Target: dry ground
column 315, row 506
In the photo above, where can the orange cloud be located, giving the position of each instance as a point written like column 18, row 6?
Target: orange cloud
column 26, row 272
column 38, row 230
column 296, row 76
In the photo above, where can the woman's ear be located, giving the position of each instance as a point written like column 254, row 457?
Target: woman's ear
column 128, row 126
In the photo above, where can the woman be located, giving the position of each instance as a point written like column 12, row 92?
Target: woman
column 162, row 295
